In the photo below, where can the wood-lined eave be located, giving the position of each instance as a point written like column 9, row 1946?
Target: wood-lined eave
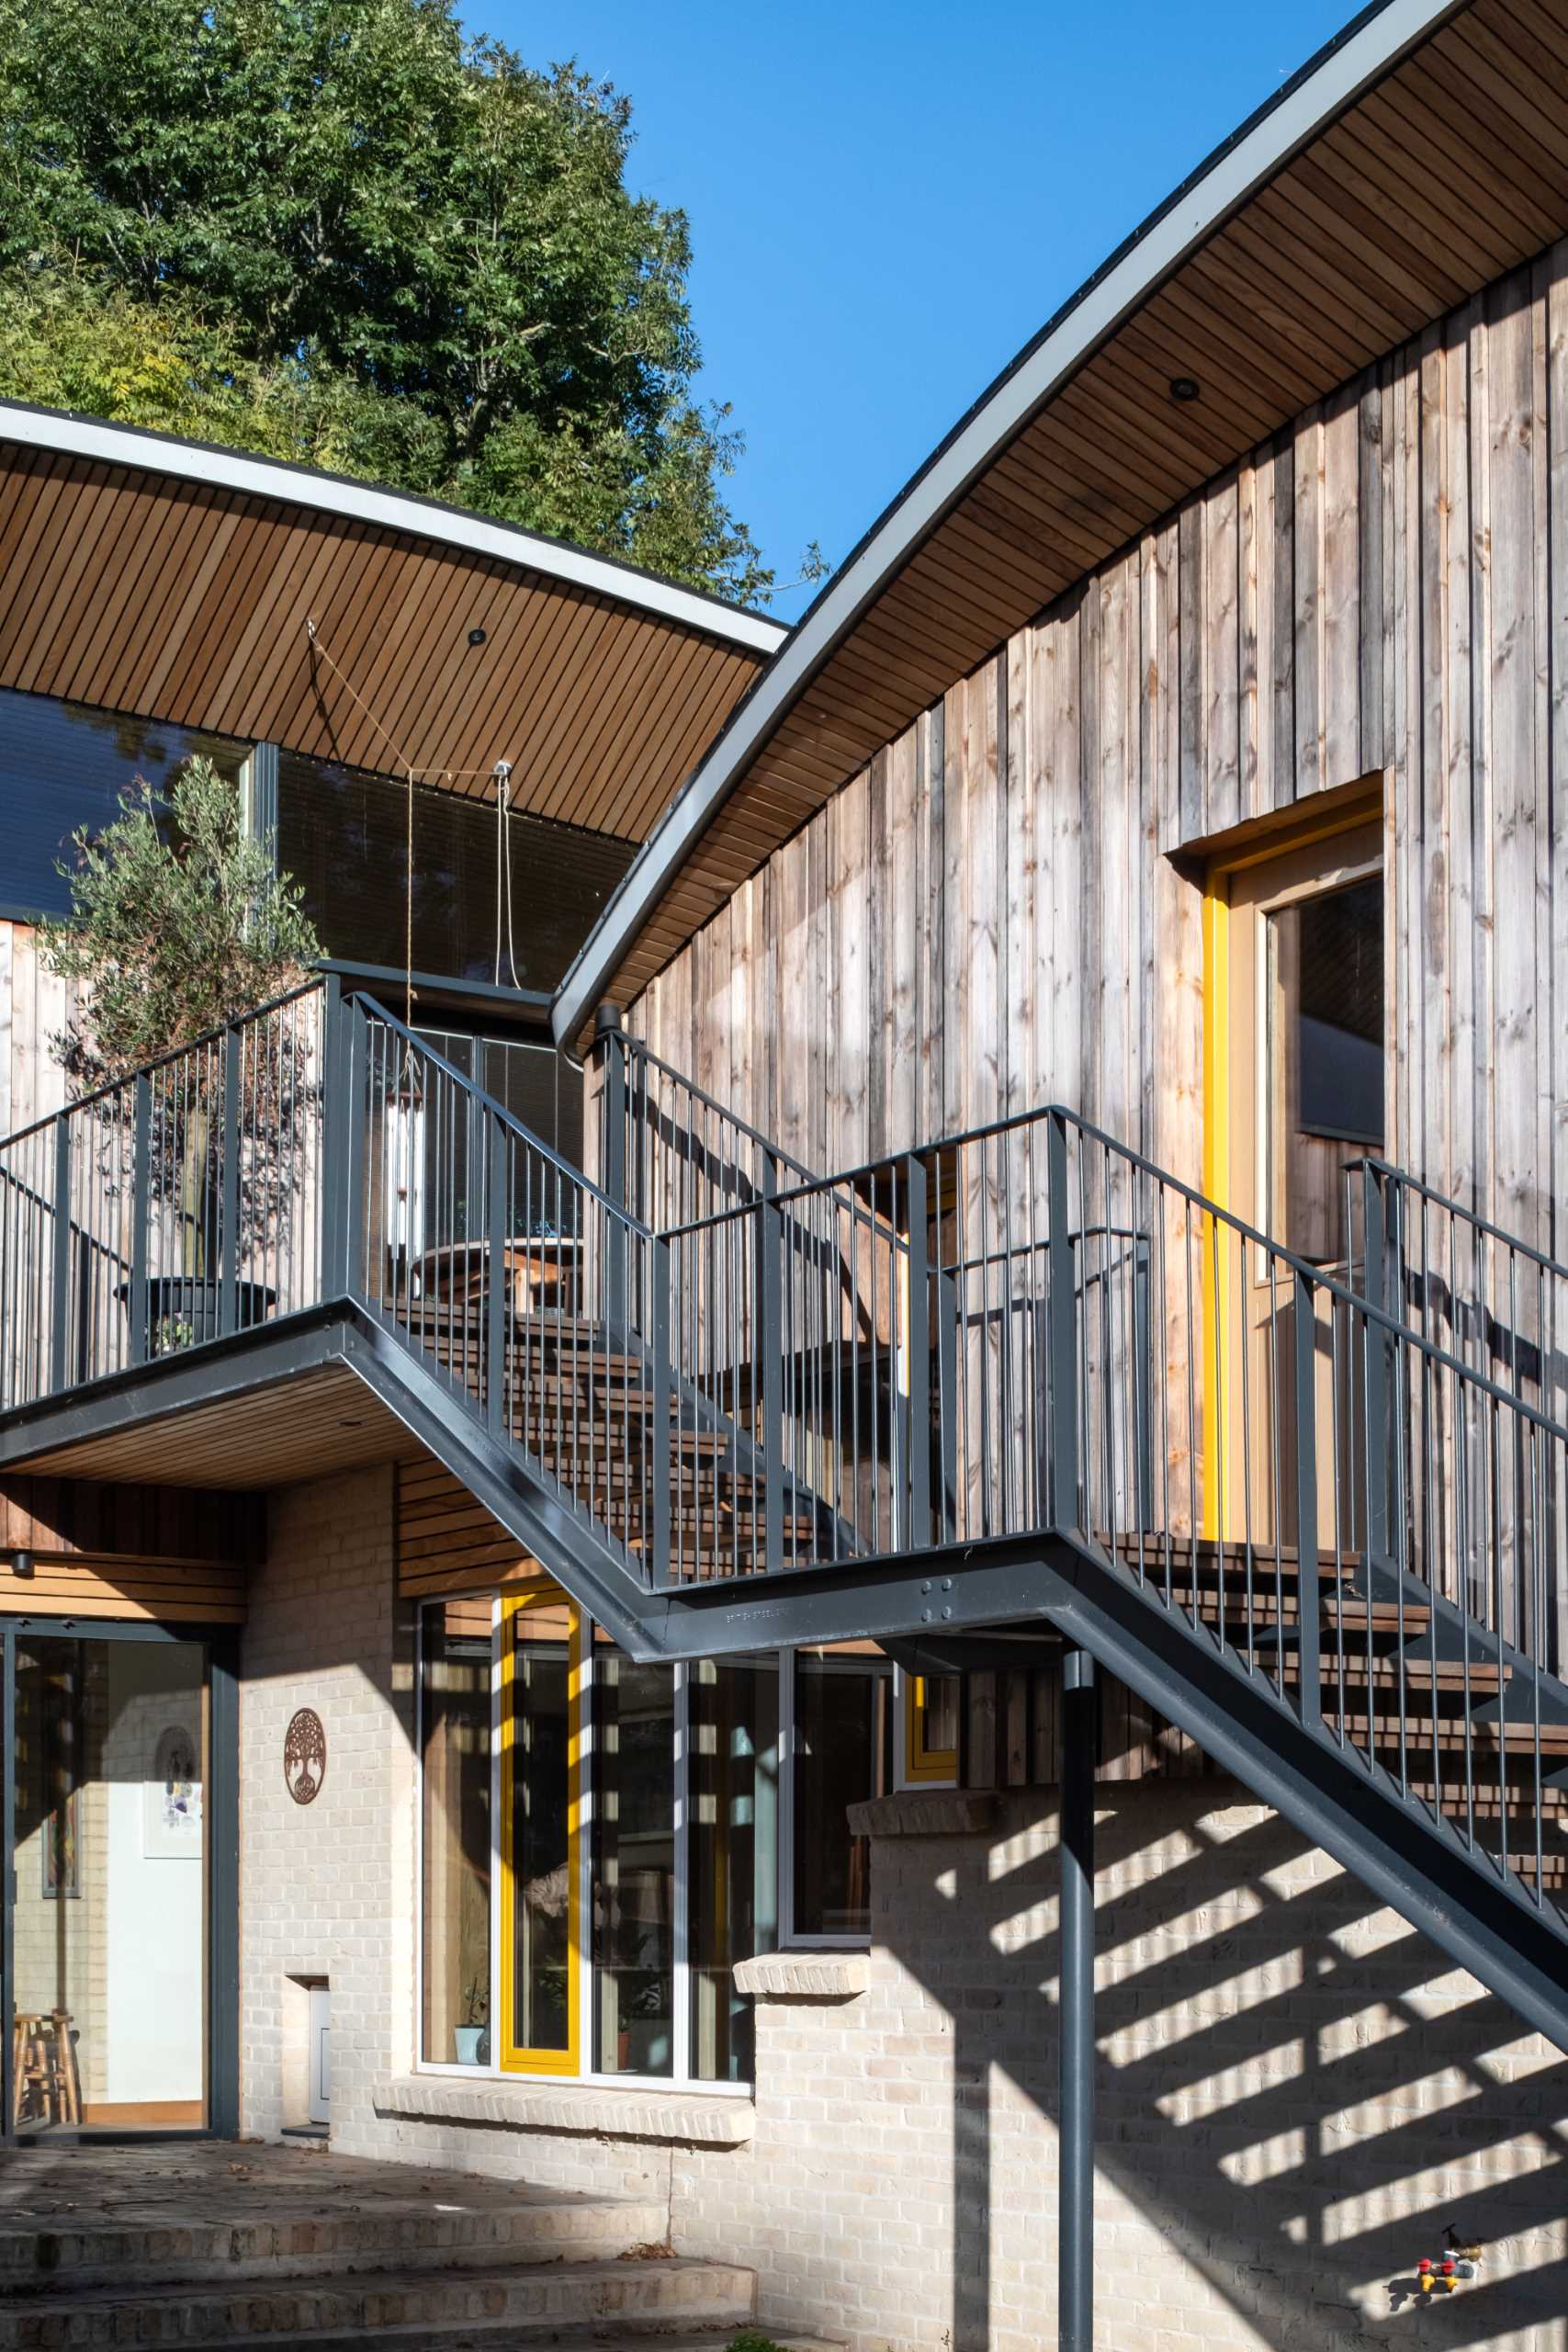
column 1447, row 171
column 133, row 591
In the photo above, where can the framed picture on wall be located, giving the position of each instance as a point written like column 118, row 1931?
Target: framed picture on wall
column 62, row 1851
column 170, row 1818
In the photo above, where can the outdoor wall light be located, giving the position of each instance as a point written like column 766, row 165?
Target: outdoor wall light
column 1185, row 387
column 21, row 1562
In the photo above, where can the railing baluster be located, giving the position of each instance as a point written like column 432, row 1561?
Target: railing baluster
column 59, row 1327
column 1309, row 1602
column 228, row 1238
column 1063, row 1326
column 661, row 1433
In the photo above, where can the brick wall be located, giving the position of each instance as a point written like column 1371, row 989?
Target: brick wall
column 326, row 1890
column 1296, row 2092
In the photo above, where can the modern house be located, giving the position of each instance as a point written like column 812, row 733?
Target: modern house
column 867, row 1536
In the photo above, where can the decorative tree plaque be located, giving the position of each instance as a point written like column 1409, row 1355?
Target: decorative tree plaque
column 305, row 1756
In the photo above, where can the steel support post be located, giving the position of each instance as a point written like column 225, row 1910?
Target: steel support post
column 1075, row 2273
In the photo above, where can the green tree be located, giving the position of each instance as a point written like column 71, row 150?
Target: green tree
column 335, row 229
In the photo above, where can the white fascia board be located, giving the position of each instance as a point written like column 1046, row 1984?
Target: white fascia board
column 1359, row 58
column 68, row 435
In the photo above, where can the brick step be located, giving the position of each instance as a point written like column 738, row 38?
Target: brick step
column 496, row 2336
column 62, row 2253
column 537, row 2303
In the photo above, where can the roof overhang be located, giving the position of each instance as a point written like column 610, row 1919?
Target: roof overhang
column 174, row 581
column 1080, row 446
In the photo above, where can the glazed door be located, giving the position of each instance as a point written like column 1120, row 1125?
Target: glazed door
column 541, row 1803
column 1305, row 1078
column 108, row 1941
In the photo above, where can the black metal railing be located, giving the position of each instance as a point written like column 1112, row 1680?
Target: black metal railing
column 1025, row 1331
column 1487, row 1295
column 174, row 1206
column 1031, row 1330
column 670, row 1151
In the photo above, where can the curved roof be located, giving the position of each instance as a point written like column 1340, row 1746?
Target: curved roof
column 174, row 580
column 1416, row 158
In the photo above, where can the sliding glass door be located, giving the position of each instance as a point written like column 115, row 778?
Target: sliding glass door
column 115, row 1968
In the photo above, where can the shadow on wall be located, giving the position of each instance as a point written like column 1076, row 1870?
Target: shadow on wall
column 1295, row 2092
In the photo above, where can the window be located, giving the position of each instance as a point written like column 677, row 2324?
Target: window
column 541, row 1682
column 931, row 1727
column 455, row 1754
column 731, row 1851
column 1323, row 1035
column 654, row 1825
column 343, row 834
column 634, row 1864
column 63, row 764
column 537, row 1085
column 842, row 1750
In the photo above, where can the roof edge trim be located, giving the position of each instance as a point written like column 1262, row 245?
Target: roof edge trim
column 1366, row 50
column 66, row 433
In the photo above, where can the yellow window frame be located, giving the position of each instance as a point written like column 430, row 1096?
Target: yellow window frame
column 921, row 1761
column 514, row 1601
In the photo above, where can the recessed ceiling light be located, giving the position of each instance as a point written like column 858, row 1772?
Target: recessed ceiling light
column 476, row 637
column 1185, row 387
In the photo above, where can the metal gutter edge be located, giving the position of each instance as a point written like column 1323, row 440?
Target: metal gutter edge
column 68, row 434
column 1357, row 58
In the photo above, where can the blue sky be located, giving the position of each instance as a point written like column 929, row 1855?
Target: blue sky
column 887, row 200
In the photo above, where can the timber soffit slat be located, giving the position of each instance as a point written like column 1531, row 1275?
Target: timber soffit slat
column 1417, row 158
column 174, row 582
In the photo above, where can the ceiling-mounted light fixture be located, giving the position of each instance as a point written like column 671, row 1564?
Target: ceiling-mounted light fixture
column 476, row 637
column 1185, row 387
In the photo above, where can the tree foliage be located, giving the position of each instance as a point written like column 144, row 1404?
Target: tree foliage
column 333, row 229
column 178, row 924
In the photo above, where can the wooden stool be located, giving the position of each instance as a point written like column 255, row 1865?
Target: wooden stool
column 47, row 2087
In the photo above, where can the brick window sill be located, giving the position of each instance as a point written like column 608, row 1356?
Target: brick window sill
column 591, row 2107
column 805, row 1976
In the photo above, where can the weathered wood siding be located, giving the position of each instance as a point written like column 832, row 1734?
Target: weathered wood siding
column 34, row 1007
column 996, row 911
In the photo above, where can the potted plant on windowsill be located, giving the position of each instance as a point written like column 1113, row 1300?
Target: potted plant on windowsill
column 180, row 925
column 471, row 2038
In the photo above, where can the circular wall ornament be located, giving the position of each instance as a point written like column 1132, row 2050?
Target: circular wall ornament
column 305, row 1756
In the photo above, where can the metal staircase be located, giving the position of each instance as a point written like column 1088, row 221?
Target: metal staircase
column 1022, row 1383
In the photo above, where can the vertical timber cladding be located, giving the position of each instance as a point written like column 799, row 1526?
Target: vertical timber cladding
column 1000, row 912
column 996, row 911
column 82, row 1548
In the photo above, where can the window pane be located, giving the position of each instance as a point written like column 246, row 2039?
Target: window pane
column 1325, row 1055
column 540, row 1086
column 843, row 1753
column 540, row 1763
column 62, row 764
column 634, row 1865
column 343, row 834
column 109, row 1901
column 457, row 1758
column 732, row 1851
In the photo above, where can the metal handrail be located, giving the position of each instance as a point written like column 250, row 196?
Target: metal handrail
column 161, row 1061
column 644, row 1053
column 1386, row 1173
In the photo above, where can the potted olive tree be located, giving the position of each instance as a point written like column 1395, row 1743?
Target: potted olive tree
column 179, row 923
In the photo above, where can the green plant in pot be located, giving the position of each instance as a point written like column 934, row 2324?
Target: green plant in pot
column 179, row 925
column 471, row 2038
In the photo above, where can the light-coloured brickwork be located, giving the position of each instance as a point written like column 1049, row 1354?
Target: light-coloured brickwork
column 1297, row 2091
column 326, row 1890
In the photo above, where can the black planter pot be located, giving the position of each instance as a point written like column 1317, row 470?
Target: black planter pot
column 181, row 1310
